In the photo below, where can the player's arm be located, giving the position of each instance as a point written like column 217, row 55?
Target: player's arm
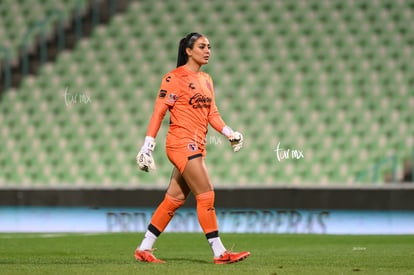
column 235, row 138
column 156, row 119
column 215, row 120
column 144, row 157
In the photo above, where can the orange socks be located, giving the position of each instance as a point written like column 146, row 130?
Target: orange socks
column 208, row 221
column 162, row 216
column 207, row 214
column 206, row 217
column 164, row 213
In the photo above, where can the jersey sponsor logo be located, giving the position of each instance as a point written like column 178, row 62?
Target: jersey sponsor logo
column 192, row 147
column 172, row 98
column 162, row 93
column 200, row 101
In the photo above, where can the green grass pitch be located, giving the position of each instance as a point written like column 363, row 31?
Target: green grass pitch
column 190, row 254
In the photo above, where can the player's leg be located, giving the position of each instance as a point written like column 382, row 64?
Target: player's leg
column 197, row 178
column 174, row 198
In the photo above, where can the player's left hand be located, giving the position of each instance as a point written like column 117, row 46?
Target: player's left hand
column 236, row 141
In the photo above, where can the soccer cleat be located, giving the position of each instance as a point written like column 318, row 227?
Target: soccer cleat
column 230, row 257
column 146, row 256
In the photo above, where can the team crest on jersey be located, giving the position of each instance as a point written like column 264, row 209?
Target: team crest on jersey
column 172, row 98
column 192, row 147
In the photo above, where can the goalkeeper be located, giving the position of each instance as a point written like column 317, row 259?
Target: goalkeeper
column 188, row 94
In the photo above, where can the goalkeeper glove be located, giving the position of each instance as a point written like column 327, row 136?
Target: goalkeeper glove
column 236, row 141
column 144, row 158
column 235, row 138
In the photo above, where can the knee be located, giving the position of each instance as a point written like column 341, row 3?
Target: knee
column 172, row 203
column 206, row 199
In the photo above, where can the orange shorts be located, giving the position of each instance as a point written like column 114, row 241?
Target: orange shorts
column 180, row 156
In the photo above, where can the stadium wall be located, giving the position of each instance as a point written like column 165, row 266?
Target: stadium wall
column 136, row 219
column 385, row 210
column 389, row 197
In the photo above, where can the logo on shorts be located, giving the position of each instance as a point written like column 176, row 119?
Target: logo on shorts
column 192, row 147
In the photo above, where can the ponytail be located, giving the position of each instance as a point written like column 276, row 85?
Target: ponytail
column 182, row 55
column 186, row 42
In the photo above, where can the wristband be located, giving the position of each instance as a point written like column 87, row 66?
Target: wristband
column 227, row 131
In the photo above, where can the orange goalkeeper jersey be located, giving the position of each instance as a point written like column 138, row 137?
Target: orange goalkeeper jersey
column 189, row 96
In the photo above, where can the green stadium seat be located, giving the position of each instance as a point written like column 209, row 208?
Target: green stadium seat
column 331, row 78
column 19, row 17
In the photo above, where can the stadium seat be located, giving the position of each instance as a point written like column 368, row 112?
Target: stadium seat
column 330, row 78
column 21, row 17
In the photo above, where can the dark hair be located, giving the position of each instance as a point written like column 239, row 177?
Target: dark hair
column 186, row 42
